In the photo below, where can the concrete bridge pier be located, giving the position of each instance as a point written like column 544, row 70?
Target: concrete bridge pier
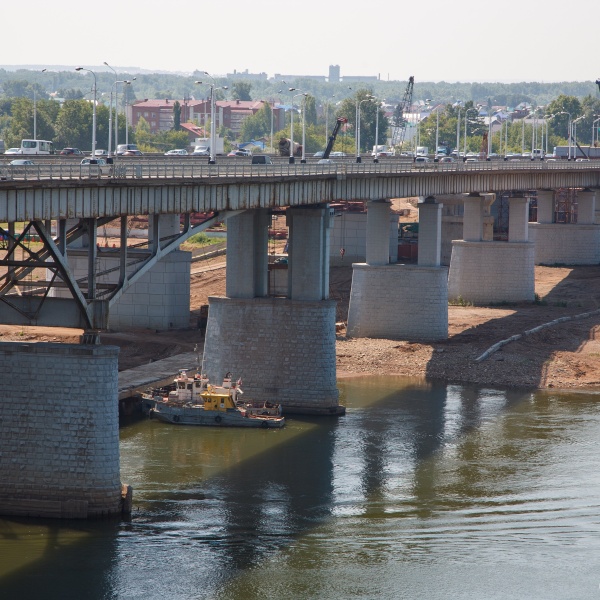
column 486, row 272
column 59, row 430
column 400, row 301
column 283, row 348
column 566, row 243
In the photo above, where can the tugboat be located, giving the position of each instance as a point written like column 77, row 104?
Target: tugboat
column 194, row 401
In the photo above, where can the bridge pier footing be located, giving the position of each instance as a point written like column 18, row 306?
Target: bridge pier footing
column 400, row 301
column 284, row 351
column 59, row 430
column 486, row 272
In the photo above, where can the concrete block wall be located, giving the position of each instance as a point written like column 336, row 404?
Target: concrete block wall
column 492, row 272
column 160, row 299
column 565, row 243
column 350, row 232
column 283, row 349
column 399, row 302
column 452, row 229
column 59, row 430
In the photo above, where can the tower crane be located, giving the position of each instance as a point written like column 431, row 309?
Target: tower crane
column 400, row 122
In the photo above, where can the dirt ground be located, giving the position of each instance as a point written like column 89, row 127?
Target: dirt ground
column 562, row 356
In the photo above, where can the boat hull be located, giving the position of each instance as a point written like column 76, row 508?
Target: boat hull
column 212, row 418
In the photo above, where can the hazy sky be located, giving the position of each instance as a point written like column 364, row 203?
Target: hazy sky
column 434, row 40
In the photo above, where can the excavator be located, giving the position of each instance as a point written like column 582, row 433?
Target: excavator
column 339, row 122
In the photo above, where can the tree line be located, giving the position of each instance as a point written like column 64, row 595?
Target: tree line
column 69, row 122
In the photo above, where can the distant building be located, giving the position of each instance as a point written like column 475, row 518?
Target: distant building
column 246, row 75
column 334, row 73
column 284, row 77
column 359, row 78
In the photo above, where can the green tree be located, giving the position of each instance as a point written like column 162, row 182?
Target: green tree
column 74, row 125
column 16, row 88
column 241, row 90
column 564, row 108
column 177, row 116
column 310, row 106
column 257, row 125
column 143, row 136
column 369, row 107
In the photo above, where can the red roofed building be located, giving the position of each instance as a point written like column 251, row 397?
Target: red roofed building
column 230, row 113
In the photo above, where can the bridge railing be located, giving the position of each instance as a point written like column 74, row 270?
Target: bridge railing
column 171, row 169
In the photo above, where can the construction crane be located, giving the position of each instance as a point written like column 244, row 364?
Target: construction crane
column 339, row 122
column 400, row 122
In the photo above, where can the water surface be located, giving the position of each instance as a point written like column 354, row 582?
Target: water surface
column 419, row 491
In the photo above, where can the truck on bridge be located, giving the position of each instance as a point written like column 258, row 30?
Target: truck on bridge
column 202, row 145
column 284, row 147
column 592, row 152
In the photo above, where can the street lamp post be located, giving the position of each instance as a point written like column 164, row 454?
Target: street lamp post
column 466, row 121
column 574, row 131
column 292, row 159
column 126, row 106
column 93, row 110
column 125, row 82
column 303, row 159
column 376, row 159
column 458, row 133
column 569, row 131
column 213, row 137
column 110, row 112
column 35, row 111
column 358, row 103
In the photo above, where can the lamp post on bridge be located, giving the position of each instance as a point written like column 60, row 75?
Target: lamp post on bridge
column 465, row 140
column 574, row 131
column 292, row 159
column 213, row 137
column 35, row 111
column 358, row 103
column 93, row 110
column 569, row 131
column 303, row 159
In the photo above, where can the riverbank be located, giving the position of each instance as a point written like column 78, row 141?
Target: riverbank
column 562, row 356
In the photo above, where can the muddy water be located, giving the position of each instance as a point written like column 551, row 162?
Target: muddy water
column 420, row 491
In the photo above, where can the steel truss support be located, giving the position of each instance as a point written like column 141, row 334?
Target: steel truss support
column 28, row 275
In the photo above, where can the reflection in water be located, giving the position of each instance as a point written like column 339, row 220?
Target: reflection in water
column 420, row 491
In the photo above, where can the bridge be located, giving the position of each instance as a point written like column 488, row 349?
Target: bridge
column 284, row 345
column 58, row 191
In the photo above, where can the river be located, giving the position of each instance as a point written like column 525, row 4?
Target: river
column 421, row 491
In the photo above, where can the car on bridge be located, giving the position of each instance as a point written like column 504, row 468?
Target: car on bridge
column 240, row 153
column 21, row 162
column 177, row 152
column 13, row 151
column 71, row 152
column 94, row 167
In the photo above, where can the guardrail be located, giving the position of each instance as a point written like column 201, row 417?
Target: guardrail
column 172, row 169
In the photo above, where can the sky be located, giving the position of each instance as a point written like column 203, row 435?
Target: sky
column 433, row 40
